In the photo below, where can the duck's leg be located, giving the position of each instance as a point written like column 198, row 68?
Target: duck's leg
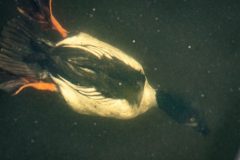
column 43, row 86
column 41, row 11
column 55, row 23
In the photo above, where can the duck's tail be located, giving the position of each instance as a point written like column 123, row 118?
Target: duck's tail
column 24, row 49
column 181, row 111
column 41, row 11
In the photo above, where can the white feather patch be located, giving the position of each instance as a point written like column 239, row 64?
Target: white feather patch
column 99, row 49
column 106, row 107
column 101, row 106
column 89, row 101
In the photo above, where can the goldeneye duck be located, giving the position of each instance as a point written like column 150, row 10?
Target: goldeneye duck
column 94, row 77
column 103, row 81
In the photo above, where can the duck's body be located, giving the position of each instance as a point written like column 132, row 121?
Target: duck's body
column 93, row 77
column 109, row 83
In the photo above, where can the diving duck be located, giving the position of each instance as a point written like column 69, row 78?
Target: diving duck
column 94, row 77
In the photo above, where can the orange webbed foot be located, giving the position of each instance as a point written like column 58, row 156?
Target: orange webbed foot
column 56, row 24
column 43, row 86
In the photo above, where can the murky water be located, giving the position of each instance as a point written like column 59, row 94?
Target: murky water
column 188, row 47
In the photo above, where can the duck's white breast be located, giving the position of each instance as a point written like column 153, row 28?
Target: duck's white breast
column 114, row 101
column 105, row 107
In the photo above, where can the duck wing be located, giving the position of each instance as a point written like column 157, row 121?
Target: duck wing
column 94, row 71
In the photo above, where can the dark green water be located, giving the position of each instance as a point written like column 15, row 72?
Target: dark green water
column 189, row 47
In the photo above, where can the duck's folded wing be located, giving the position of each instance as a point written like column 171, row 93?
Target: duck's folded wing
column 98, row 77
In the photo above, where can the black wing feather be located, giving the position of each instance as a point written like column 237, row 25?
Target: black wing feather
column 112, row 77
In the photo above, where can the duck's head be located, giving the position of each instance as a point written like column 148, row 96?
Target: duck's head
column 181, row 111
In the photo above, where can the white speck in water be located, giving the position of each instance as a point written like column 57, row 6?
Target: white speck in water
column 210, row 111
column 94, row 9
column 75, row 123
column 192, row 119
column 91, row 15
column 189, row 46
column 118, row 18
column 120, row 83
column 156, row 18
column 208, row 71
column 133, row 41
column 95, row 123
column 158, row 30
column 231, row 90
column 238, row 88
column 32, row 141
column 202, row 95
column 155, row 69
column 15, row 119
column 152, row 155
column 170, row 122
column 36, row 122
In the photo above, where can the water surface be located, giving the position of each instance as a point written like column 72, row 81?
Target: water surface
column 188, row 47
